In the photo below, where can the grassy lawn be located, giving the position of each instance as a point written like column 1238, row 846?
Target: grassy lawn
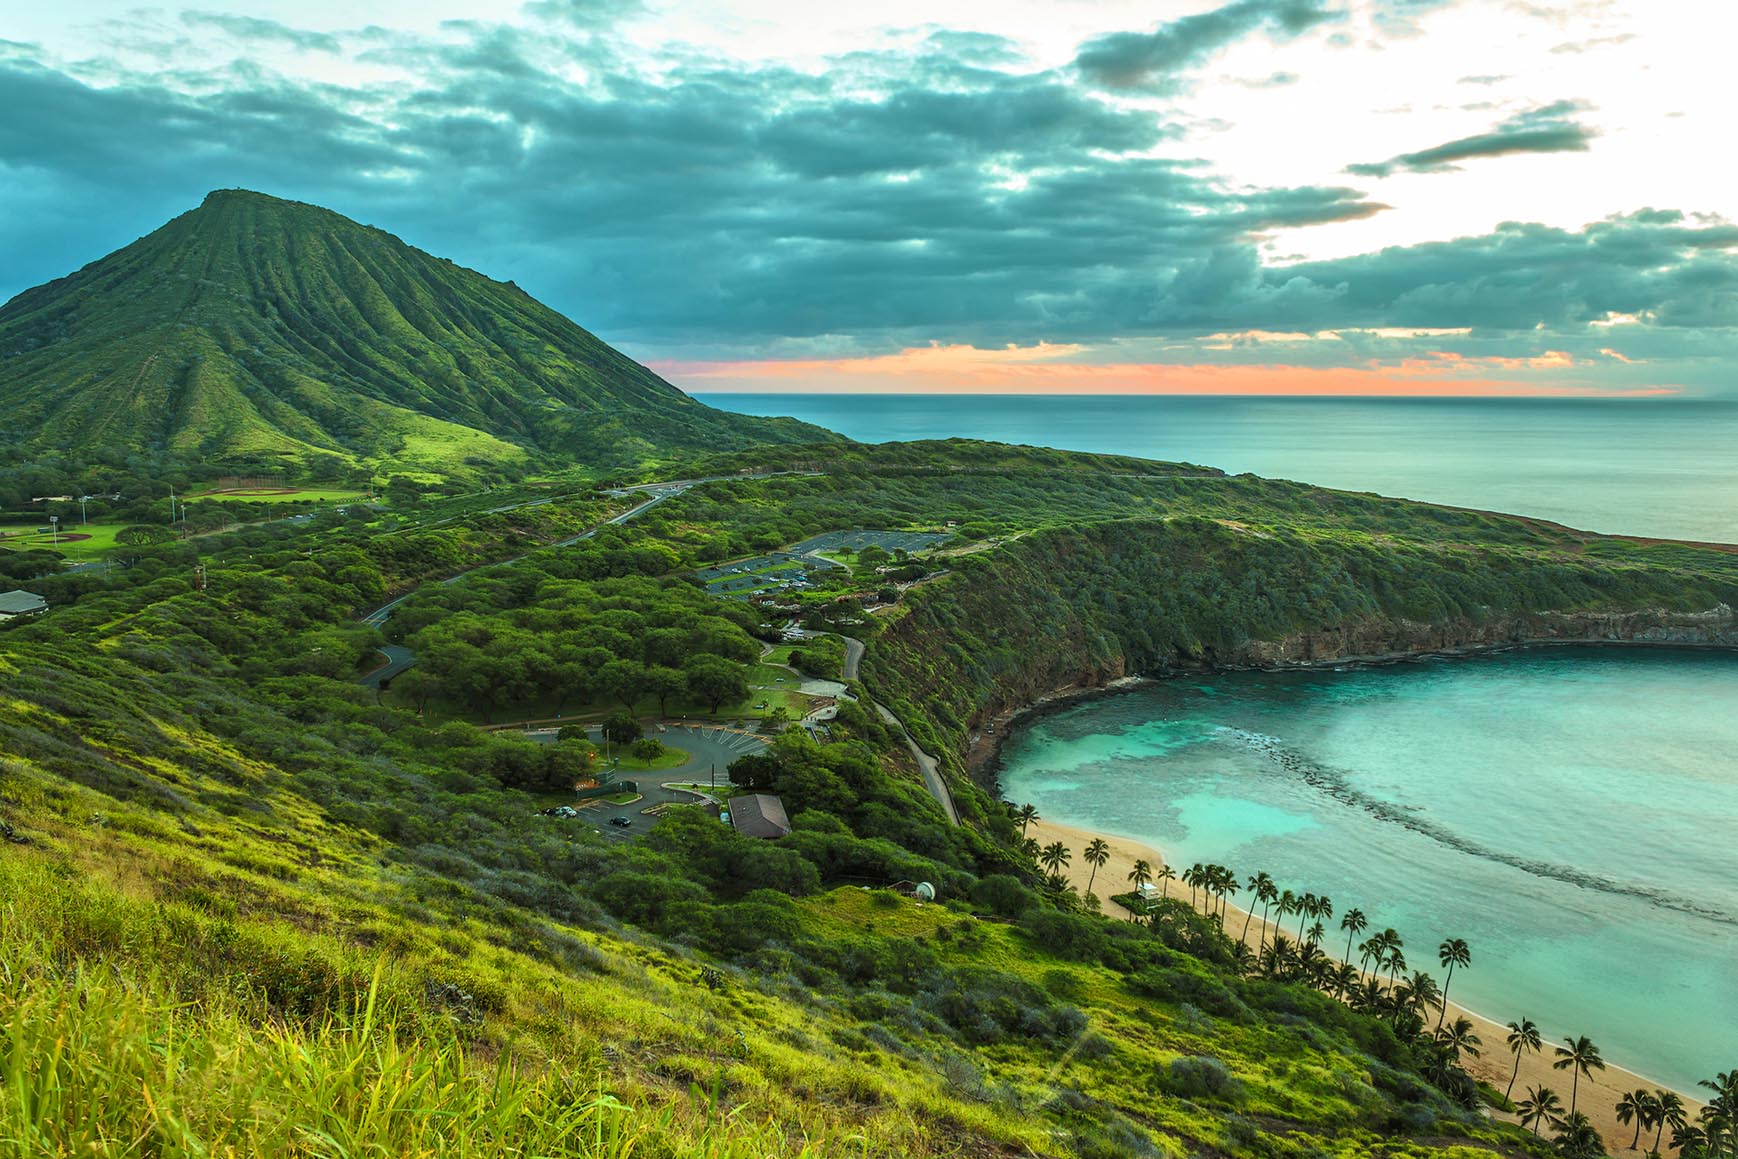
column 671, row 759
column 24, row 536
column 309, row 495
column 767, row 676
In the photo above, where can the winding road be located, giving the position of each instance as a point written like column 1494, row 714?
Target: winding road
column 926, row 764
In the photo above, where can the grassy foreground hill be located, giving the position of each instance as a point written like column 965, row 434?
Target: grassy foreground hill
column 247, row 907
column 254, row 334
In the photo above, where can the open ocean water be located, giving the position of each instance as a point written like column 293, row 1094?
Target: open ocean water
column 1571, row 813
column 1655, row 467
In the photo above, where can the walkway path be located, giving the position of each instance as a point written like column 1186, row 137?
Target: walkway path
column 932, row 778
column 926, row 764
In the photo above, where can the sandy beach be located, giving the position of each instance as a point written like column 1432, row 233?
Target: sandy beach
column 1599, row 1092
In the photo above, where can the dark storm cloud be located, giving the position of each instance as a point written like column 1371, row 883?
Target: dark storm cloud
column 1155, row 60
column 897, row 198
column 1674, row 270
column 255, row 30
column 1547, row 129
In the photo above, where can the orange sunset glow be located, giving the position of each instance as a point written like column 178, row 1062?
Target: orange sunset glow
column 1040, row 369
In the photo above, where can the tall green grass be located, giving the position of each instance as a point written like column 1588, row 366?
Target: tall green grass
column 101, row 1056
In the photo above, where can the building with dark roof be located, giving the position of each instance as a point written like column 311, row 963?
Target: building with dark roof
column 759, row 815
column 20, row 603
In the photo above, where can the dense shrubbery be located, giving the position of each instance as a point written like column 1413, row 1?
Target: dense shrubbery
column 215, row 739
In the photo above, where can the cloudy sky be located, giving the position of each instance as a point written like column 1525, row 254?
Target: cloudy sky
column 1330, row 196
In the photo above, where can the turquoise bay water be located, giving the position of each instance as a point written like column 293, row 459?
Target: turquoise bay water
column 1572, row 813
column 1639, row 467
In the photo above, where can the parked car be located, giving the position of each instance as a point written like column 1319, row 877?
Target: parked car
column 624, row 822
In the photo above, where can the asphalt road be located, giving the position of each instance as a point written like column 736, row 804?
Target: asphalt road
column 398, row 658
column 853, row 657
column 932, row 779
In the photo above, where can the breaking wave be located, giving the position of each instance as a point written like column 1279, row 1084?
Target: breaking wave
column 1337, row 785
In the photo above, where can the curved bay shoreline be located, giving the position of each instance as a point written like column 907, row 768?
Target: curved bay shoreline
column 983, row 755
column 983, row 759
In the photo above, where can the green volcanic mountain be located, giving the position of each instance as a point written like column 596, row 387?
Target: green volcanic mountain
column 263, row 334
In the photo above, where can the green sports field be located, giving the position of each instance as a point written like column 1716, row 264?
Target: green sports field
column 280, row 495
column 76, row 543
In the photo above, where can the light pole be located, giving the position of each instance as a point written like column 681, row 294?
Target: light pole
column 82, row 521
column 54, row 529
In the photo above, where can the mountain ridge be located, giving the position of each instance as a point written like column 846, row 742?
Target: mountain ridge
column 266, row 334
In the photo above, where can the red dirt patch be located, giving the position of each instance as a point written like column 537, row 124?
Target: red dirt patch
column 249, row 491
column 43, row 538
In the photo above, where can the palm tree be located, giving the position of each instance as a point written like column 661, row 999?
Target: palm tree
column 1668, row 1112
column 1577, row 1136
column 1164, row 877
column 1719, row 1119
column 1396, row 962
column 1636, row 1107
column 1580, row 1057
column 1317, row 932
column 1324, row 907
column 1096, row 854
column 1541, row 1106
column 1283, row 907
column 1031, row 849
column 1421, row 992
column 1192, row 878
column 1346, row 980
column 1141, row 875
column 1459, row 1038
column 1054, row 857
column 1276, row 960
column 1688, row 1139
column 1258, row 885
column 1306, row 908
column 1453, row 952
column 1268, row 893
column 1368, row 996
column 1523, row 1036
column 1385, row 951
column 1227, row 890
column 1028, row 813
column 1354, row 923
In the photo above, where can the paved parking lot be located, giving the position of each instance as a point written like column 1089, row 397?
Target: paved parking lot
column 792, row 568
column 711, row 748
column 857, row 540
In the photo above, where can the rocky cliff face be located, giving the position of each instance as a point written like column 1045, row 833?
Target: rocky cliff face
column 1388, row 638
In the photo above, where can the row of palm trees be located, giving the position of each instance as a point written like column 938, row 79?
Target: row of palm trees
column 1408, row 998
